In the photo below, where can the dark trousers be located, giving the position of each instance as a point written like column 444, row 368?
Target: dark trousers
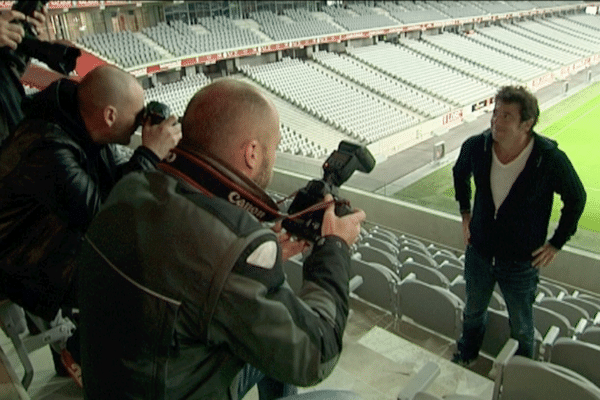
column 518, row 283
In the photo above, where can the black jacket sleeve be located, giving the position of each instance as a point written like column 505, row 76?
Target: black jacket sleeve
column 573, row 195
column 462, row 173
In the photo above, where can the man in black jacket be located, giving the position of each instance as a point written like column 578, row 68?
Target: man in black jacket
column 516, row 173
column 57, row 168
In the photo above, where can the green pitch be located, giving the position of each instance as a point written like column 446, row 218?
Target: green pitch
column 575, row 124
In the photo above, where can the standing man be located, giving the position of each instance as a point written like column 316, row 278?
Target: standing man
column 183, row 293
column 516, row 173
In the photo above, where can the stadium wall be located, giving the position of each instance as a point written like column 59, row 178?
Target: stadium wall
column 573, row 267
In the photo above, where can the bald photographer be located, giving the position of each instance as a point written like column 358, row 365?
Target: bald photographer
column 56, row 170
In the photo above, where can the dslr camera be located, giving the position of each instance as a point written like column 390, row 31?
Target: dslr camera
column 157, row 112
column 339, row 166
column 57, row 56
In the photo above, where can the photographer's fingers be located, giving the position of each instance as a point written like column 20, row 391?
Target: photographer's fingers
column 163, row 137
column 346, row 227
column 11, row 33
column 38, row 21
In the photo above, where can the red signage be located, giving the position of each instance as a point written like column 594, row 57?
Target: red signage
column 189, row 61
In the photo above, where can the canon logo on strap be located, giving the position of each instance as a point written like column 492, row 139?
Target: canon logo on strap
column 235, row 198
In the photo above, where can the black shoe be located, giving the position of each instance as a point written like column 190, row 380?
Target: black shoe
column 458, row 359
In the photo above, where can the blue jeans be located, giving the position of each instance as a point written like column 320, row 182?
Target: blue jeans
column 268, row 388
column 518, row 283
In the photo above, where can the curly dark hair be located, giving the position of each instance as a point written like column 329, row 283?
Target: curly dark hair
column 524, row 98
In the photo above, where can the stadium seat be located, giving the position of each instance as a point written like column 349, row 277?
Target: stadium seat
column 578, row 356
column 431, row 306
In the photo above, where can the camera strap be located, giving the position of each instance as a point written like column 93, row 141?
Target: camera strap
column 214, row 177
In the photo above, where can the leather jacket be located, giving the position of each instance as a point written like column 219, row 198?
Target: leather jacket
column 53, row 179
column 179, row 290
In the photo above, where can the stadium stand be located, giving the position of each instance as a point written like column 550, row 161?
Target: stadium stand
column 177, row 94
column 501, row 62
column 279, row 29
column 432, row 78
column 359, row 114
column 382, row 84
column 123, row 48
column 358, row 17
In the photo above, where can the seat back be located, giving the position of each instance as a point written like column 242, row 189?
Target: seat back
column 372, row 254
column 422, row 258
column 591, row 334
column 578, row 356
column 591, row 307
column 526, row 379
column 431, row 306
column 424, row 273
column 380, row 285
column 451, row 271
column 571, row 311
column 545, row 318
column 380, row 244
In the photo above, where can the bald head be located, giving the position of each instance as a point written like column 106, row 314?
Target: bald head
column 224, row 115
column 234, row 121
column 109, row 100
column 106, row 85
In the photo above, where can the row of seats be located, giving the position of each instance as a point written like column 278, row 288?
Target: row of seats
column 469, row 67
column 433, row 78
column 355, row 112
column 360, row 18
column 123, row 47
column 570, row 374
column 425, row 283
column 382, row 84
column 178, row 94
column 501, row 62
column 294, row 143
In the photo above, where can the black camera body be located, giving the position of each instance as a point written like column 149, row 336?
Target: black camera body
column 156, row 111
column 59, row 57
column 338, row 168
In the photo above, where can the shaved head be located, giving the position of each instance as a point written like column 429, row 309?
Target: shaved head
column 224, row 115
column 234, row 121
column 106, row 85
column 109, row 101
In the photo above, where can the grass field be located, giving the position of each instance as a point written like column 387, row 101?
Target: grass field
column 575, row 124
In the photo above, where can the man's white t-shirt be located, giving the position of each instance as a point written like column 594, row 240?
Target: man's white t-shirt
column 503, row 176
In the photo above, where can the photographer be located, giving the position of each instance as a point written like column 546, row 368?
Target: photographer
column 57, row 168
column 204, row 309
column 11, row 89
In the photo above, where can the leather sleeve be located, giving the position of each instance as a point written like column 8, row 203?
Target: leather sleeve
column 292, row 338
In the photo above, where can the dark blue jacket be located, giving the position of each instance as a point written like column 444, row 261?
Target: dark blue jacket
column 521, row 224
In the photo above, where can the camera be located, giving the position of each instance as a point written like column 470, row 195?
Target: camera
column 337, row 169
column 59, row 57
column 157, row 112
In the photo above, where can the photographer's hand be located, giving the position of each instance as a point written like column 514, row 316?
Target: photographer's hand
column 38, row 21
column 290, row 245
column 346, row 227
column 11, row 33
column 163, row 137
